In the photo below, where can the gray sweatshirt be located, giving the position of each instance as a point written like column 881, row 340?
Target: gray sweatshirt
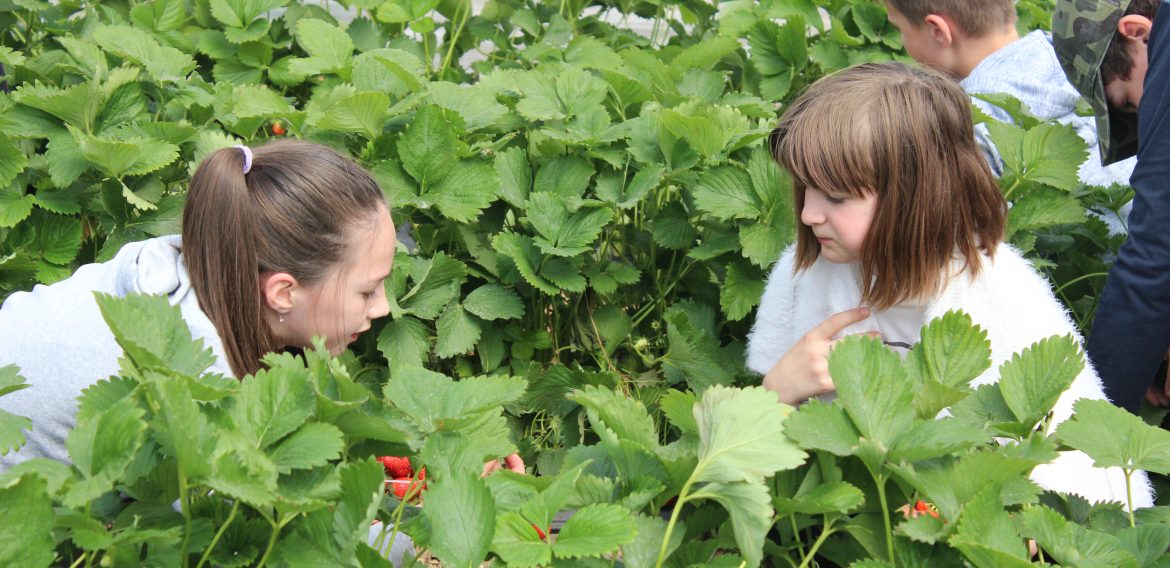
column 57, row 337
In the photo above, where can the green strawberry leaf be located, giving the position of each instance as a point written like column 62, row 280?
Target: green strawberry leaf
column 594, row 530
column 750, row 508
column 820, row 426
column 272, row 404
column 315, row 444
column 405, row 342
column 30, row 541
column 362, row 113
column 427, row 148
column 726, row 193
column 165, row 63
column 741, row 436
column 12, row 161
column 741, row 291
column 468, row 189
column 463, row 506
column 491, row 302
column 617, row 417
column 515, row 175
column 153, row 333
column 1071, row 544
column 458, row 332
column 1115, row 438
column 1033, row 380
column 881, row 410
column 330, row 49
column 518, row 543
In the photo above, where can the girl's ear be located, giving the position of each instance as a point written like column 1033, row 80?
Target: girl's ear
column 941, row 29
column 278, row 289
column 1135, row 28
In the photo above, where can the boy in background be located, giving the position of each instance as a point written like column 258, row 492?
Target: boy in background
column 977, row 44
column 1117, row 53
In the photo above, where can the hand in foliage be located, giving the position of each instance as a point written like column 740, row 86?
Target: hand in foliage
column 1159, row 393
column 513, row 462
column 803, row 372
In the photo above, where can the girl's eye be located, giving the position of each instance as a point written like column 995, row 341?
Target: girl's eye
column 835, row 200
column 368, row 295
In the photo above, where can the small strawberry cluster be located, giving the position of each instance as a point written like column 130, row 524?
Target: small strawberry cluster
column 401, row 477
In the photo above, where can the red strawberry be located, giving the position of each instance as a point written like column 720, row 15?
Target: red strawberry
column 422, row 474
column 406, row 488
column 278, row 129
column 924, row 507
column 397, row 467
column 540, row 533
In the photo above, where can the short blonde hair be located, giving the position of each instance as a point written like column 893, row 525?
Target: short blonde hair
column 976, row 19
column 904, row 134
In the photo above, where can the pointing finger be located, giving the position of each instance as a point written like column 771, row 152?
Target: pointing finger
column 839, row 321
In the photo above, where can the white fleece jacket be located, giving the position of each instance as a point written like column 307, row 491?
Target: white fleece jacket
column 1009, row 300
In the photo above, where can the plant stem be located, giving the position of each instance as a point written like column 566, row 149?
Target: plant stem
column 271, row 543
column 1129, row 495
column 678, row 505
column 881, row 487
column 459, row 15
column 1079, row 278
column 79, row 560
column 796, row 537
column 1011, row 189
column 185, row 502
column 820, row 540
column 600, row 340
column 398, row 512
column 215, row 540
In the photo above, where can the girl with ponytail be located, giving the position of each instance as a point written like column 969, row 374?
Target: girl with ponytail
column 280, row 243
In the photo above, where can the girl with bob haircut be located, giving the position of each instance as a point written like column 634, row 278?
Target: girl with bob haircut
column 901, row 221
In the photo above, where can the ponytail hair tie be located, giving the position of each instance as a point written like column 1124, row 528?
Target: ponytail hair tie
column 247, row 157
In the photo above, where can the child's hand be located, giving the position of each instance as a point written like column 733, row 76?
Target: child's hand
column 512, row 462
column 803, row 372
column 1159, row 394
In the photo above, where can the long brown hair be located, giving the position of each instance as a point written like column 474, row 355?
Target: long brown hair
column 905, row 134
column 290, row 213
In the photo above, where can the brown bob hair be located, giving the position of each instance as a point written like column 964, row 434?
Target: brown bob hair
column 292, row 212
column 904, row 134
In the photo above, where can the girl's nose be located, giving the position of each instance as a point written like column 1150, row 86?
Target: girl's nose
column 811, row 214
column 381, row 306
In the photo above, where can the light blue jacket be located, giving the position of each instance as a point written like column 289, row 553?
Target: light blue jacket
column 57, row 337
column 1028, row 70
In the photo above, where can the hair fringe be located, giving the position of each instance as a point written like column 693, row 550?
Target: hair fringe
column 906, row 135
